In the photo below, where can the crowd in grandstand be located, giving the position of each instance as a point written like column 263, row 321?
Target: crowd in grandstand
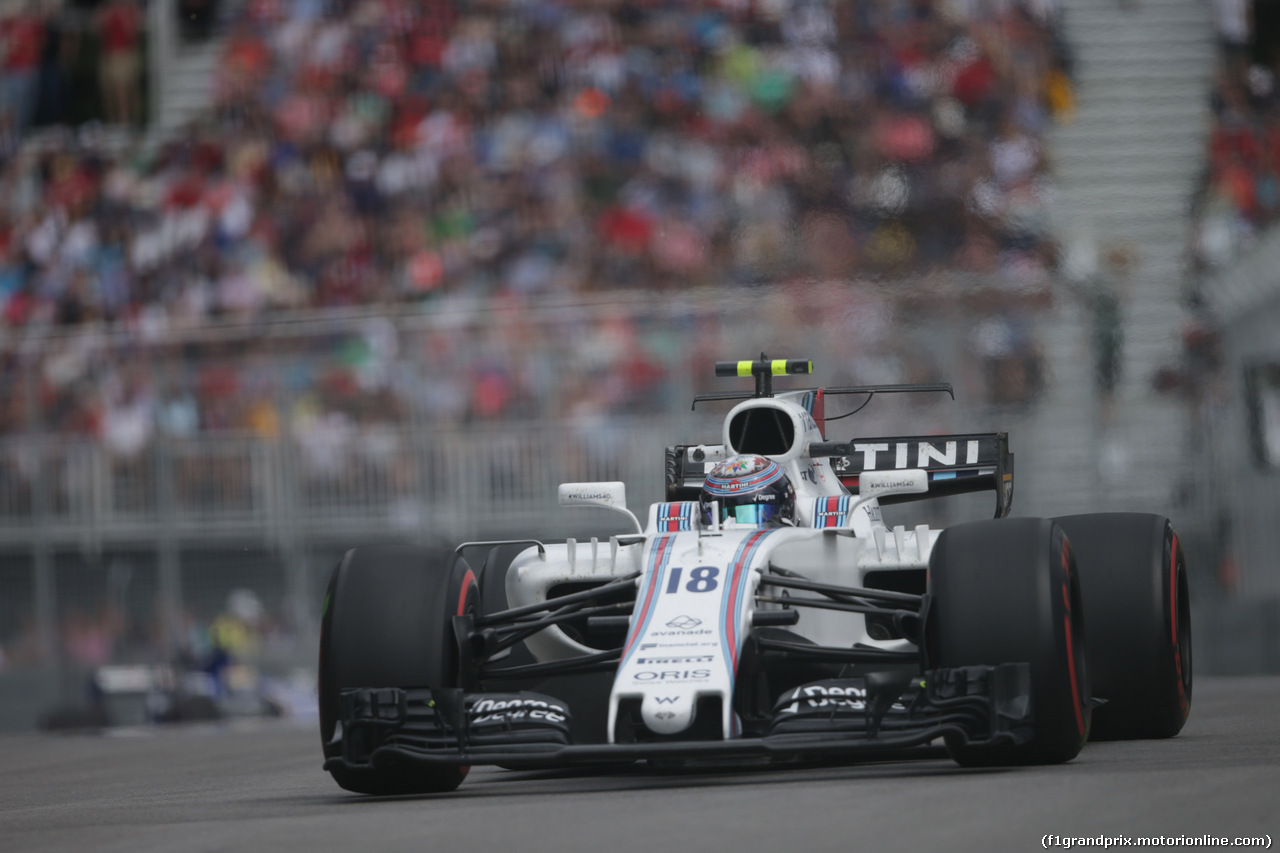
column 375, row 153
column 1240, row 193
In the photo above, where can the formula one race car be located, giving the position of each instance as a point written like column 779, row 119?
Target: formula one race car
column 763, row 611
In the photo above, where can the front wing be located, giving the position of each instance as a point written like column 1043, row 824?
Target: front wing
column 842, row 718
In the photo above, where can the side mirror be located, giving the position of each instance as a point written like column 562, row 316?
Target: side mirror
column 605, row 495
column 875, row 484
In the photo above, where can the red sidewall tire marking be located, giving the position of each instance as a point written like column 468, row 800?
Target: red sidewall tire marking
column 1066, row 624
column 468, row 581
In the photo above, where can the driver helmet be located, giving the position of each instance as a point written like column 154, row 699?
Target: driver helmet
column 749, row 489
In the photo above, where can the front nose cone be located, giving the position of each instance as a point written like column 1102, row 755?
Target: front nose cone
column 668, row 714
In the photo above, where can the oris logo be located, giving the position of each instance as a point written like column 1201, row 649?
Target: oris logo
column 674, row 675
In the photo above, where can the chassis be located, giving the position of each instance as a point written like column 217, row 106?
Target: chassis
column 834, row 638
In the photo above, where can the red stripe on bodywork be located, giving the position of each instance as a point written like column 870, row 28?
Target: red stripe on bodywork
column 655, row 556
column 820, row 410
column 831, row 510
column 731, row 615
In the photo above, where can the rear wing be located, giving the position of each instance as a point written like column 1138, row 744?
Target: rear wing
column 955, row 464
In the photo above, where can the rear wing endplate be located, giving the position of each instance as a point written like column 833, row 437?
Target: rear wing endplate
column 955, row 464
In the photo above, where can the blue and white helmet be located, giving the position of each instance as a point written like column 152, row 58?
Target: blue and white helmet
column 749, row 489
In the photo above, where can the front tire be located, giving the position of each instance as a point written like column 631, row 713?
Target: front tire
column 388, row 623
column 1136, row 593
column 1006, row 591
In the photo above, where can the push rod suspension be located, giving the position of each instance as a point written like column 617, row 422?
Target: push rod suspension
column 844, row 591
column 587, row 595
column 824, row 604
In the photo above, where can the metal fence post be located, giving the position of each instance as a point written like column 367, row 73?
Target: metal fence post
column 287, row 530
column 44, row 581
column 170, row 562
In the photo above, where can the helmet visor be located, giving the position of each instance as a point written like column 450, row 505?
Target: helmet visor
column 750, row 513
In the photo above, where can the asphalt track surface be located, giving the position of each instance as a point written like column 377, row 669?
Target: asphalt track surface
column 260, row 787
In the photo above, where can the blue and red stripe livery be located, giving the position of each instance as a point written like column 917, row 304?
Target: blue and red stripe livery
column 659, row 556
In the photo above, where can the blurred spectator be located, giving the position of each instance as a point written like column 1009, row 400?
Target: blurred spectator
column 1106, row 302
column 128, row 417
column 234, row 634
column 22, row 35
column 1232, row 18
column 120, row 66
column 57, row 55
column 89, row 638
column 1012, row 362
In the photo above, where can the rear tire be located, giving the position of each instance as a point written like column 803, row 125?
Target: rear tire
column 1134, row 577
column 388, row 623
column 1006, row 591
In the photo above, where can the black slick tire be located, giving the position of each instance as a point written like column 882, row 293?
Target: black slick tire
column 388, row 623
column 1006, row 591
column 1134, row 576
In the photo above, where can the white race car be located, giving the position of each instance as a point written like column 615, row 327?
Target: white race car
column 764, row 610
